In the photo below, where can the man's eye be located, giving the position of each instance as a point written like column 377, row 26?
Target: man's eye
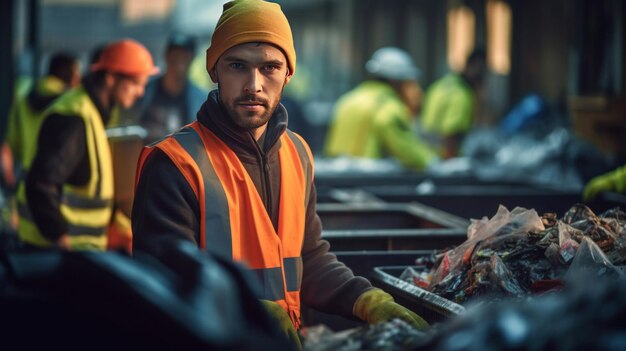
column 235, row 65
column 270, row 68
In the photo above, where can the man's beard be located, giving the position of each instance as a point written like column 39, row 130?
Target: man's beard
column 244, row 119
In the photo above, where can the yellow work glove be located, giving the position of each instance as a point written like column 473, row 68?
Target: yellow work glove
column 284, row 322
column 612, row 181
column 375, row 306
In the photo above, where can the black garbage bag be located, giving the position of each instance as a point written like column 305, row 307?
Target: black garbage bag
column 589, row 314
column 92, row 300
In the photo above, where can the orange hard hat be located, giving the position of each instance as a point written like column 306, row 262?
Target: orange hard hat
column 127, row 57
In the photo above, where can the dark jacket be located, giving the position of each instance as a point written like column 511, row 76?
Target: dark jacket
column 165, row 208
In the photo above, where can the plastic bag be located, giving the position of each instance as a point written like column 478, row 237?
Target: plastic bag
column 322, row 338
column 109, row 301
column 418, row 277
column 590, row 262
column 518, row 221
column 504, row 278
column 392, row 335
column 526, row 113
column 556, row 157
column 553, row 254
column 567, row 245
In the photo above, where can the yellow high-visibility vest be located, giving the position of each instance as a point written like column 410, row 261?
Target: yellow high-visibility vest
column 87, row 208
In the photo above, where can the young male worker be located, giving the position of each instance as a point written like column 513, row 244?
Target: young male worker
column 239, row 184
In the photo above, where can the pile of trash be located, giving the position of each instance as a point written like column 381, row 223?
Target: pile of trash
column 552, row 157
column 580, row 317
column 518, row 253
column 393, row 335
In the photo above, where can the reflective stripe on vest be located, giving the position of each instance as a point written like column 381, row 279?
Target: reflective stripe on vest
column 234, row 221
column 216, row 229
column 73, row 230
column 272, row 279
column 73, row 200
column 307, row 162
column 88, row 208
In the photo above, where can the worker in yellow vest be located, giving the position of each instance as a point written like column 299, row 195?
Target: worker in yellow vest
column 26, row 115
column 68, row 199
column 239, row 184
column 374, row 120
column 450, row 105
column 27, row 112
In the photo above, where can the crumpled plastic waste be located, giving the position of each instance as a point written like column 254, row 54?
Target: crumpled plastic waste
column 518, row 253
column 394, row 335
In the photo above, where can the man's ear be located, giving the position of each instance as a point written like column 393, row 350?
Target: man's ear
column 213, row 75
column 288, row 77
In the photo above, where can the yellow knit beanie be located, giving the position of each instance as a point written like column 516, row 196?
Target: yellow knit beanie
column 249, row 21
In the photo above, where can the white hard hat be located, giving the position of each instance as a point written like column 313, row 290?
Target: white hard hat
column 392, row 63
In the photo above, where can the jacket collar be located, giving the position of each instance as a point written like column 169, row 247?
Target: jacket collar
column 213, row 116
column 90, row 88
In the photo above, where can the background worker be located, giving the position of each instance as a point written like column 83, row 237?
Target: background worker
column 374, row 119
column 26, row 113
column 171, row 100
column 238, row 184
column 69, row 190
column 611, row 181
column 450, row 104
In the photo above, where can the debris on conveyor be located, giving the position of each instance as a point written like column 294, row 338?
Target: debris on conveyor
column 580, row 317
column 395, row 335
column 518, row 253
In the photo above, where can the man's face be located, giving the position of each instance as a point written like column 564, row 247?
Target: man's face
column 126, row 90
column 476, row 71
column 178, row 61
column 411, row 94
column 251, row 78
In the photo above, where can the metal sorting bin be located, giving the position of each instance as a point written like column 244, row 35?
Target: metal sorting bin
column 395, row 239
column 371, row 234
column 386, row 227
column 383, row 269
column 327, row 194
column 431, row 307
column 379, row 215
column 343, row 180
column 476, row 201
column 362, row 263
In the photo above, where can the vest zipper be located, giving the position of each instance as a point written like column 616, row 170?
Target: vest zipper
column 266, row 182
column 265, row 171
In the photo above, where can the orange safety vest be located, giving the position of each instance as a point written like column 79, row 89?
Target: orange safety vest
column 233, row 220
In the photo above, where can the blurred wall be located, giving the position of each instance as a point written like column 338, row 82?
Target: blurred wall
column 81, row 26
column 334, row 39
column 558, row 48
